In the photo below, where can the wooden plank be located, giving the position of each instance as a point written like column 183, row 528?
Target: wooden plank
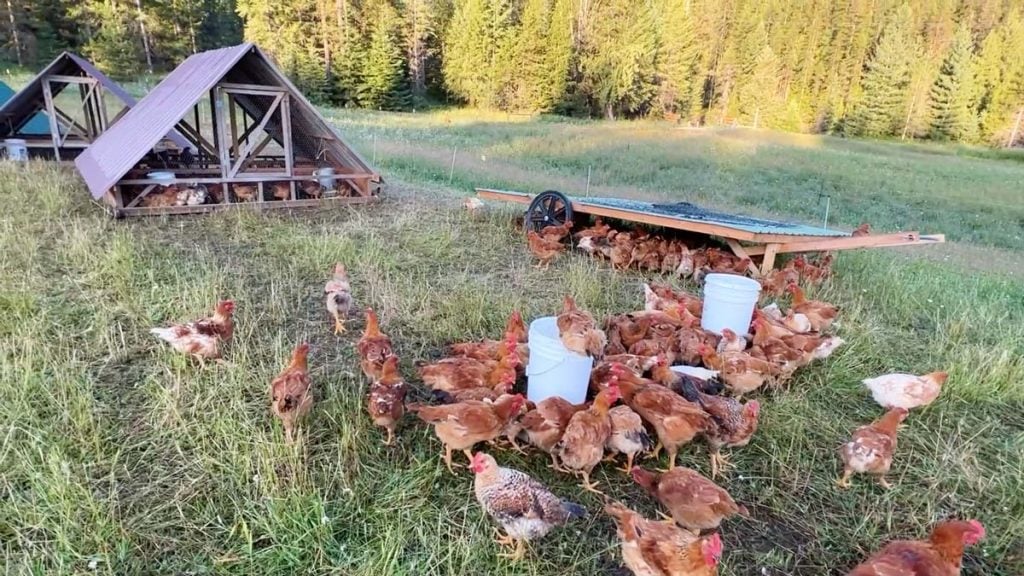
column 71, row 79
column 286, row 135
column 255, row 153
column 741, row 253
column 770, row 250
column 323, row 202
column 145, row 192
column 54, row 129
column 274, row 106
column 234, row 125
column 252, row 89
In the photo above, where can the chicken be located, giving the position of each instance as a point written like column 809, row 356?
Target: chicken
column 774, row 283
column 339, row 297
column 474, row 206
column 731, row 342
column 386, row 399
column 544, row 425
column 290, row 396
column 871, row 449
column 515, row 330
column 166, row 197
column 621, row 255
column 373, row 348
column 582, row 445
column 675, row 420
column 545, row 249
column 312, row 189
column 628, row 436
column 596, row 246
column 906, row 390
column 653, row 548
column 461, row 426
column 741, row 372
column 245, row 192
column 201, row 339
column 598, row 229
column 689, row 342
column 819, row 314
column 863, row 230
column 658, row 297
column 693, row 501
column 525, row 508
column 281, row 191
column 462, row 373
column 578, row 330
column 940, row 555
column 732, row 424
column 685, row 268
column 553, row 232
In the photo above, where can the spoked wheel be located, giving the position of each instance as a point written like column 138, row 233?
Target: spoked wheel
column 549, row 208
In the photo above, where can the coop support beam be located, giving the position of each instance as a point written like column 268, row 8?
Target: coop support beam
column 145, row 192
column 770, row 250
column 54, row 128
column 741, row 253
column 248, row 147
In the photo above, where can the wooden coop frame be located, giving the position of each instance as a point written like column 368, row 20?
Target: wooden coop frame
column 764, row 242
column 61, row 131
column 248, row 129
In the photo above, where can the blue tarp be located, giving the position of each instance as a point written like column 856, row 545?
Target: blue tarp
column 39, row 124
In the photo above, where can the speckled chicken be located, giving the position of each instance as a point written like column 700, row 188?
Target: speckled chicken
column 461, row 426
column 201, row 339
column 290, row 396
column 385, row 402
column 339, row 297
column 582, row 445
column 693, row 501
column 653, row 548
column 578, row 330
column 525, row 508
column 732, row 424
column 871, row 449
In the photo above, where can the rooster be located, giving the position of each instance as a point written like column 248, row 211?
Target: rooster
column 339, row 297
column 201, row 339
column 290, row 397
column 524, row 507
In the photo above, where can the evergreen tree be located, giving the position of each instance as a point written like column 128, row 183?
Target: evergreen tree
column 618, row 63
column 678, row 57
column 558, row 57
column 953, row 111
column 887, row 80
column 114, row 45
column 383, row 83
column 1000, row 79
column 468, row 51
column 758, row 101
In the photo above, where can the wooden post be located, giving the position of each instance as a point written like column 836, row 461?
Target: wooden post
column 1016, row 129
column 770, row 250
column 234, row 126
column 286, row 135
column 51, row 113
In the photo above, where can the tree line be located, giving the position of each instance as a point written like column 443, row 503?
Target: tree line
column 940, row 69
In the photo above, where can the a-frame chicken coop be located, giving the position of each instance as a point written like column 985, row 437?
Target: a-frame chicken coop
column 64, row 109
column 254, row 141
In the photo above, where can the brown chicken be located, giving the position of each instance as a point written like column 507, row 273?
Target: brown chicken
column 281, row 191
column 689, row 342
column 163, row 198
column 544, row 425
column 201, row 339
column 374, row 347
column 245, row 192
column 676, row 420
column 339, row 297
column 582, row 445
column 628, row 436
column 553, row 232
column 599, row 229
column 871, row 449
column 461, row 426
column 774, row 283
column 940, row 555
column 524, row 507
column 693, row 501
column 515, row 330
column 578, row 330
column 545, row 249
column 741, row 372
column 290, row 396
column 654, row 548
column 863, row 230
column 621, row 255
column 312, row 189
column 386, row 402
column 462, row 373
column 661, row 297
column 820, row 314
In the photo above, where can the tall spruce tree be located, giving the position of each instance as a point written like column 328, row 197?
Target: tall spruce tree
column 384, row 83
column 758, row 99
column 618, row 63
column 678, row 57
column 953, row 114
column 468, row 51
column 887, row 80
column 1000, row 79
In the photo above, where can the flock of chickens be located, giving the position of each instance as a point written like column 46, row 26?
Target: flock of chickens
column 638, row 401
column 180, row 195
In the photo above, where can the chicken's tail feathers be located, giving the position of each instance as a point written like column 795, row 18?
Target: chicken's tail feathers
column 646, row 441
column 742, row 511
column 442, row 397
column 574, row 510
column 595, row 343
column 688, row 389
column 166, row 334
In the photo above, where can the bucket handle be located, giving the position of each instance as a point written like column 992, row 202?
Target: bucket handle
column 543, row 369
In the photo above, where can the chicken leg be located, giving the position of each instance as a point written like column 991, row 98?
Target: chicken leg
column 844, row 481
column 556, row 466
column 448, row 459
column 339, row 325
column 656, row 452
column 884, row 483
column 629, row 464
column 719, row 462
column 671, row 459
column 390, row 437
column 588, row 485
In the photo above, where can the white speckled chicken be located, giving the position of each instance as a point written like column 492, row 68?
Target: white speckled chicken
column 339, row 297
column 524, row 507
column 203, row 338
column 871, row 449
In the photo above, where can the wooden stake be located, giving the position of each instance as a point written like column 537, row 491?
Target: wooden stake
column 1016, row 129
column 451, row 171
column 589, row 166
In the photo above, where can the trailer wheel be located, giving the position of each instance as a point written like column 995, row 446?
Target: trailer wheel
column 549, row 208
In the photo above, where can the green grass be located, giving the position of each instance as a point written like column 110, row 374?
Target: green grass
column 116, row 451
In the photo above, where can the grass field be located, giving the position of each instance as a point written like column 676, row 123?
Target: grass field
column 119, row 457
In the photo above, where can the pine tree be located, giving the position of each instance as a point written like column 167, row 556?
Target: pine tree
column 887, row 80
column 678, row 57
column 114, row 45
column 758, row 99
column 383, row 79
column 558, row 57
column 1000, row 79
column 618, row 63
column 953, row 114
column 468, row 51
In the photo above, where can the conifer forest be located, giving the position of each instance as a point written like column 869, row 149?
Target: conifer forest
column 916, row 69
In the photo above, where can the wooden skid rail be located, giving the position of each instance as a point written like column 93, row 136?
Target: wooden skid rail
column 765, row 246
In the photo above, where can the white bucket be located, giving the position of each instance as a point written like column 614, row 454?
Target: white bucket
column 729, row 301
column 553, row 369
column 17, row 150
column 325, row 177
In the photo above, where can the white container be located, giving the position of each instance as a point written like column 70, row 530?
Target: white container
column 17, row 150
column 325, row 177
column 553, row 369
column 162, row 178
column 729, row 301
